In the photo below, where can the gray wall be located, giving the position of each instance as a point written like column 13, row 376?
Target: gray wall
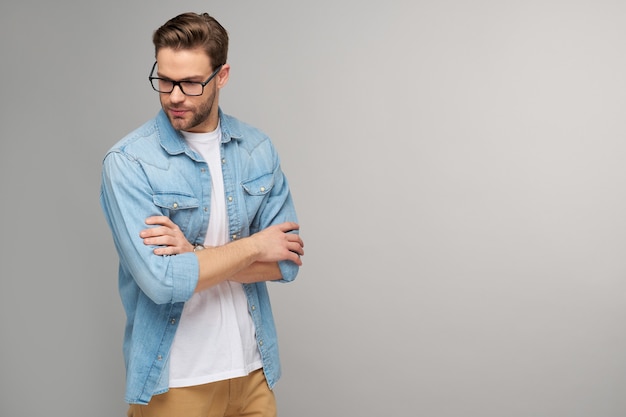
column 459, row 172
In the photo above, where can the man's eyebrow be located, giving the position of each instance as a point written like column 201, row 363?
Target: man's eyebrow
column 194, row 78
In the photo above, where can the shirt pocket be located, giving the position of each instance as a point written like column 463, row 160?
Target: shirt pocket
column 178, row 207
column 256, row 190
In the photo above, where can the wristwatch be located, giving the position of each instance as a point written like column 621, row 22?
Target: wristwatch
column 198, row 247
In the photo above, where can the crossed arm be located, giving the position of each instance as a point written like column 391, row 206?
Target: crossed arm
column 251, row 259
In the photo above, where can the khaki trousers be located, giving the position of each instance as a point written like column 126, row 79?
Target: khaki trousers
column 248, row 396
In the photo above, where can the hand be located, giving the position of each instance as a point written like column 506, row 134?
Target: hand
column 167, row 236
column 275, row 243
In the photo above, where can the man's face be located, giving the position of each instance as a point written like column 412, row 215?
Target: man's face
column 190, row 113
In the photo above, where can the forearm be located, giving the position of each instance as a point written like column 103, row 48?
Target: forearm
column 218, row 264
column 230, row 264
column 258, row 271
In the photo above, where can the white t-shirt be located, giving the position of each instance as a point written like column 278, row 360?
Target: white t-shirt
column 215, row 339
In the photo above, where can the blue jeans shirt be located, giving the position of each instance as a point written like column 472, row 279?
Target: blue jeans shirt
column 152, row 172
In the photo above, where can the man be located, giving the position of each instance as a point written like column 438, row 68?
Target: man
column 200, row 338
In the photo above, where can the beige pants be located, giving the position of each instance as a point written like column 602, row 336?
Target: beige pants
column 247, row 396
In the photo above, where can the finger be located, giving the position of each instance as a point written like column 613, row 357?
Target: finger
column 169, row 250
column 153, row 231
column 155, row 241
column 296, row 249
column 295, row 259
column 294, row 242
column 295, row 238
column 163, row 240
column 162, row 220
column 288, row 226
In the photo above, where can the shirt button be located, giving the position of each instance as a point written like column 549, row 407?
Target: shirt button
column 175, row 205
column 206, row 209
column 253, row 308
column 234, row 237
column 262, row 189
column 260, row 343
column 223, row 160
column 203, row 170
column 230, row 198
column 160, row 357
column 173, row 321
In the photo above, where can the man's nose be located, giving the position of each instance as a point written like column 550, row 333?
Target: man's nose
column 177, row 94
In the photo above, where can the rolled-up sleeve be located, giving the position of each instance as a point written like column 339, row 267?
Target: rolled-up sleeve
column 279, row 208
column 127, row 200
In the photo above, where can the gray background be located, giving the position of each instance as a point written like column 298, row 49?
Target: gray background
column 458, row 168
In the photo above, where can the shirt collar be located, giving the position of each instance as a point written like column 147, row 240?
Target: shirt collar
column 173, row 141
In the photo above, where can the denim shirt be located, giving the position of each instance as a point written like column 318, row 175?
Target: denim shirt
column 152, row 171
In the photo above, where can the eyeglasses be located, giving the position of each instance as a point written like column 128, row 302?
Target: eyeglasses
column 188, row 88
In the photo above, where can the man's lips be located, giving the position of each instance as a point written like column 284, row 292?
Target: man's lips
column 177, row 112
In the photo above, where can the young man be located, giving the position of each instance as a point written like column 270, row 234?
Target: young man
column 201, row 217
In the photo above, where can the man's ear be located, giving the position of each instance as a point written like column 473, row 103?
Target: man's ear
column 222, row 76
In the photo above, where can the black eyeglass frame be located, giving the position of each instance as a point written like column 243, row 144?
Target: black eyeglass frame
column 178, row 83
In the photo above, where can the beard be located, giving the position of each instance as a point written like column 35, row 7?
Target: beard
column 195, row 115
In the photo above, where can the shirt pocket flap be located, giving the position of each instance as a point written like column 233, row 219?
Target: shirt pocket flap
column 175, row 201
column 259, row 186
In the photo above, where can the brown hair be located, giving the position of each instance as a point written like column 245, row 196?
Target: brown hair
column 190, row 31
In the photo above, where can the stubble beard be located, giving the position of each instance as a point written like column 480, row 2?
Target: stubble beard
column 199, row 115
